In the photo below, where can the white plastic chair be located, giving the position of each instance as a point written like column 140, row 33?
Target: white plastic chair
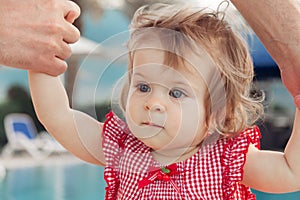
column 22, row 135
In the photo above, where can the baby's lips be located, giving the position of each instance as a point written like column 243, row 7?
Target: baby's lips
column 152, row 124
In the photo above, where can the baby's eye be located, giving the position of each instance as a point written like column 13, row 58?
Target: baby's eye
column 143, row 87
column 175, row 93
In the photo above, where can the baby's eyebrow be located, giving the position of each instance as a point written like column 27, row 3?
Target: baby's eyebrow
column 171, row 83
column 138, row 74
column 176, row 82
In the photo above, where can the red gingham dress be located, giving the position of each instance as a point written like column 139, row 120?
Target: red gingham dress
column 213, row 173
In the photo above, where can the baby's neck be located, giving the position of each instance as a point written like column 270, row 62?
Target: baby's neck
column 169, row 156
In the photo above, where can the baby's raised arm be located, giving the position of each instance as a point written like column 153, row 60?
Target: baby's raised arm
column 276, row 23
column 275, row 172
column 77, row 132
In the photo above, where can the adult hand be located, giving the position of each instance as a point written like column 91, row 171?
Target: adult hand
column 35, row 34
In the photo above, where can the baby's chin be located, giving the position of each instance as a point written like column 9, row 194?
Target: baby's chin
column 165, row 147
column 152, row 145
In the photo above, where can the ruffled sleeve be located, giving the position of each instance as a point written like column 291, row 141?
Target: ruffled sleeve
column 114, row 135
column 233, row 161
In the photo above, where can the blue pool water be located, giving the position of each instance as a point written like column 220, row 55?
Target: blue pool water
column 71, row 182
column 56, row 182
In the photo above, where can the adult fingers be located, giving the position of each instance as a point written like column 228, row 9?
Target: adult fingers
column 63, row 50
column 71, row 11
column 54, row 66
column 71, row 33
column 297, row 101
column 59, row 66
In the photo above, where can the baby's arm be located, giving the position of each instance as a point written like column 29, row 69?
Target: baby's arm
column 275, row 172
column 77, row 132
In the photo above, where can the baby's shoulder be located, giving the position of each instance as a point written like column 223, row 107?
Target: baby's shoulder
column 236, row 148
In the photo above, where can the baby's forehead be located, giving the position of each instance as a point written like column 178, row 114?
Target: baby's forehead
column 191, row 65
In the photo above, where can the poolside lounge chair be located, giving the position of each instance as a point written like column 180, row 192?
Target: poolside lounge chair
column 22, row 135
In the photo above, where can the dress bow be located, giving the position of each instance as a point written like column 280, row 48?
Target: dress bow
column 163, row 174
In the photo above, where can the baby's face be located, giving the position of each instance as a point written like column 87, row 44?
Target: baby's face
column 165, row 107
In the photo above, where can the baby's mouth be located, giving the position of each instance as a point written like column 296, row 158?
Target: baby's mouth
column 152, row 124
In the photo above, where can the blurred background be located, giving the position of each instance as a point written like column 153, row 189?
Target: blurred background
column 99, row 61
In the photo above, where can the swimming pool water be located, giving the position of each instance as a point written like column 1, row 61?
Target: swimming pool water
column 63, row 182
column 71, row 182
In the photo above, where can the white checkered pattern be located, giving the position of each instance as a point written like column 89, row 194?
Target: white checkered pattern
column 211, row 174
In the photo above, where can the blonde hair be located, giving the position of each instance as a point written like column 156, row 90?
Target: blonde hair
column 227, row 50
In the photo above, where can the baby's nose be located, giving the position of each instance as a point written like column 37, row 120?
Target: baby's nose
column 154, row 106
